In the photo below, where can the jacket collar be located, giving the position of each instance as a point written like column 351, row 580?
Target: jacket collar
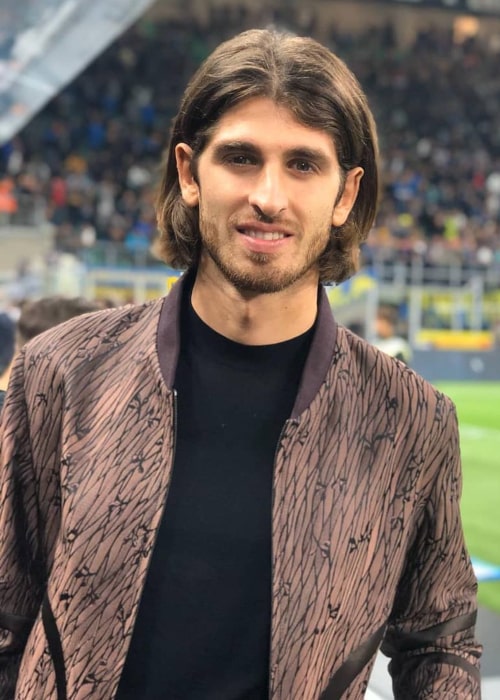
column 318, row 360
column 320, row 355
column 168, row 339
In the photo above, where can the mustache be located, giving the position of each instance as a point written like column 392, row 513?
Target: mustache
column 261, row 216
column 256, row 214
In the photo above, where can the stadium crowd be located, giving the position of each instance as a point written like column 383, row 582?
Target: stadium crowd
column 93, row 152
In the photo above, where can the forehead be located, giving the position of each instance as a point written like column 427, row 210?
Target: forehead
column 265, row 123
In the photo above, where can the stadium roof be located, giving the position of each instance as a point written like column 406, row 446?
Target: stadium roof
column 45, row 44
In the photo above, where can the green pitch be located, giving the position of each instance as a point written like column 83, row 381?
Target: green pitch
column 478, row 407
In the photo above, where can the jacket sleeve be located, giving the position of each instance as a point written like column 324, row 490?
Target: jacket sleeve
column 20, row 569
column 430, row 636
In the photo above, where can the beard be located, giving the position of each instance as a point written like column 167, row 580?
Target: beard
column 260, row 273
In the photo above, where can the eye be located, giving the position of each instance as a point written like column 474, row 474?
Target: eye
column 239, row 159
column 303, row 166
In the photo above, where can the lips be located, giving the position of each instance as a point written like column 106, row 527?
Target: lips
column 265, row 235
column 263, row 232
column 265, row 239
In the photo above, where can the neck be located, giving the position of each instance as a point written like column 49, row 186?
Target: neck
column 256, row 319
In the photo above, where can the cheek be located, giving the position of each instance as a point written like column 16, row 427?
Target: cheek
column 212, row 198
column 213, row 212
column 221, row 201
column 320, row 216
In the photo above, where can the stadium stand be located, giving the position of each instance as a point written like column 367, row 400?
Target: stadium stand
column 93, row 151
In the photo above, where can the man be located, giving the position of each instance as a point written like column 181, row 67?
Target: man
column 386, row 338
column 223, row 494
column 36, row 316
column 7, row 347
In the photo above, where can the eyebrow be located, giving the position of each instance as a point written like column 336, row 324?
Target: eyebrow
column 225, row 148
column 299, row 153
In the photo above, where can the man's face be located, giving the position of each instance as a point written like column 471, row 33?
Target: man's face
column 269, row 190
column 383, row 327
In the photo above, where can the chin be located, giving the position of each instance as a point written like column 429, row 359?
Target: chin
column 269, row 283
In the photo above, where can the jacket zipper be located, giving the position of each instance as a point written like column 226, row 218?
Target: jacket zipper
column 287, row 423
column 167, row 488
column 50, row 628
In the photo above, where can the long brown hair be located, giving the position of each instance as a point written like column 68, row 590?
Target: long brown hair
column 320, row 91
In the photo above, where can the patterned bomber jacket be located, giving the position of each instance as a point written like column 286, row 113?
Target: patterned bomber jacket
column 367, row 540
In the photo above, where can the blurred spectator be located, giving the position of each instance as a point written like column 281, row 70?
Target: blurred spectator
column 40, row 315
column 7, row 347
column 93, row 151
column 35, row 318
column 8, row 200
column 387, row 338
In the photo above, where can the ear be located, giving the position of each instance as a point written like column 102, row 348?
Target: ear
column 348, row 197
column 189, row 187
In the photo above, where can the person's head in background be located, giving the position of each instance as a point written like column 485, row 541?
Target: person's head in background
column 7, row 347
column 36, row 317
column 388, row 336
column 39, row 315
column 386, row 321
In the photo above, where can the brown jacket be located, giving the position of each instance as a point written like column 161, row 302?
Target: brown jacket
column 367, row 540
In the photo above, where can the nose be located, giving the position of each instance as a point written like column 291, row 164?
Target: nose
column 268, row 194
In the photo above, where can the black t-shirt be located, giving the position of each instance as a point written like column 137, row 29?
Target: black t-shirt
column 203, row 626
